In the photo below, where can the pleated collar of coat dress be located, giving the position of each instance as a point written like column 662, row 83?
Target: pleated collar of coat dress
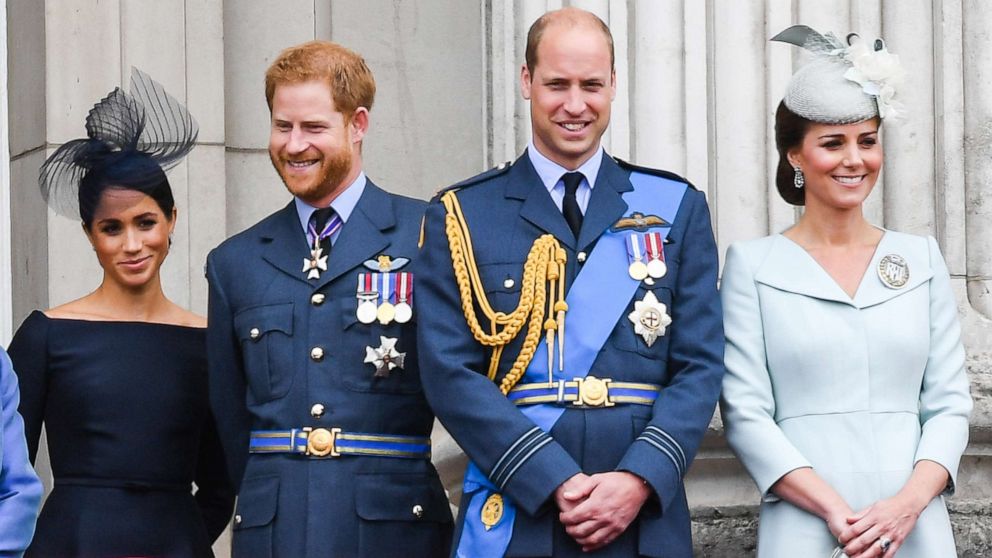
column 789, row 267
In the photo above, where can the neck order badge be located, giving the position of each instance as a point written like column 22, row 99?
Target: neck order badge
column 327, row 222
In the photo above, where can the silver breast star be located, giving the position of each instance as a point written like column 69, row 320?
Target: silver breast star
column 385, row 358
column 650, row 318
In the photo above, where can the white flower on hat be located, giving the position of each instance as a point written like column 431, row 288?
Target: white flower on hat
column 878, row 72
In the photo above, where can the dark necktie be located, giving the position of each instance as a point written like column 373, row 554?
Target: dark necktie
column 570, row 205
column 319, row 220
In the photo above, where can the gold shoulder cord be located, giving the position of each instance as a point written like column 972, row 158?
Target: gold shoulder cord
column 542, row 292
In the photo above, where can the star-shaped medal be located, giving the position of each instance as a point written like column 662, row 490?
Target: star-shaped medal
column 385, row 358
column 650, row 318
column 316, row 263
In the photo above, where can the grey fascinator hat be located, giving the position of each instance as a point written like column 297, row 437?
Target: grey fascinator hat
column 843, row 83
column 131, row 139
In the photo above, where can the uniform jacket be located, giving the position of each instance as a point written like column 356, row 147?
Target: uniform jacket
column 293, row 505
column 506, row 210
column 20, row 489
column 859, row 389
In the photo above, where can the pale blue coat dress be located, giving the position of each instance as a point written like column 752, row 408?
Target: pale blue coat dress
column 859, row 389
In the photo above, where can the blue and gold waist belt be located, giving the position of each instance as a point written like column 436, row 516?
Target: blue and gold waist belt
column 332, row 442
column 588, row 392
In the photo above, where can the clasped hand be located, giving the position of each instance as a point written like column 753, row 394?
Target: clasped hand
column 596, row 509
column 893, row 518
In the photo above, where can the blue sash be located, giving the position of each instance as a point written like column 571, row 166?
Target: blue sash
column 587, row 331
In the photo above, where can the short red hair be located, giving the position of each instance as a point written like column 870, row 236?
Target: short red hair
column 344, row 70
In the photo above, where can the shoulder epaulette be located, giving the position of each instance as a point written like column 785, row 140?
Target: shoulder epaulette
column 657, row 172
column 477, row 179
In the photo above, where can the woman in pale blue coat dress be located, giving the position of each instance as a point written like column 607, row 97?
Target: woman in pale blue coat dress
column 845, row 396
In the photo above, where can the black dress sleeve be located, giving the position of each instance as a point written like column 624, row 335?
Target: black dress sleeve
column 214, row 489
column 29, row 354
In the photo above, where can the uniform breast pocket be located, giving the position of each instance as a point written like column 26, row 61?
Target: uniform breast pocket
column 502, row 284
column 645, row 325
column 392, row 365
column 266, row 336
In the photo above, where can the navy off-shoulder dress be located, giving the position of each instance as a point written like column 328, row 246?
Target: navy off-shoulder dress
column 129, row 429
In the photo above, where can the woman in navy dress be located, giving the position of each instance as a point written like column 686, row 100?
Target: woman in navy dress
column 118, row 377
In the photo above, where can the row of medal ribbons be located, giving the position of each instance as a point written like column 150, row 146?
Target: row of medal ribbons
column 646, row 255
column 385, row 297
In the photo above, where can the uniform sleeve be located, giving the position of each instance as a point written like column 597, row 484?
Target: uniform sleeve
column 518, row 457
column 227, row 378
column 662, row 453
column 748, row 403
column 20, row 489
column 215, row 490
column 945, row 402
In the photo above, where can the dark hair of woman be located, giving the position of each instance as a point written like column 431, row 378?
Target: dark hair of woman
column 790, row 129
column 129, row 170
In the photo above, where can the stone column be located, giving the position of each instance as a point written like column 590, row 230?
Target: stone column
column 6, row 302
column 26, row 117
column 738, row 124
column 977, row 55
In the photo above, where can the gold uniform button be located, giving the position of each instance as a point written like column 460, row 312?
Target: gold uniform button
column 237, row 519
column 418, row 511
column 581, row 257
column 317, row 354
column 317, row 299
column 317, row 410
column 254, row 333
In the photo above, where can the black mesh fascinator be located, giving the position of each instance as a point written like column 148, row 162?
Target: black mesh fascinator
column 131, row 140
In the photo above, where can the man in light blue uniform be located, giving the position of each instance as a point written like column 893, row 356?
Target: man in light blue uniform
column 20, row 489
column 574, row 347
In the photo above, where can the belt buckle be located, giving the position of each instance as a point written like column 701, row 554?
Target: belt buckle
column 321, row 442
column 593, row 392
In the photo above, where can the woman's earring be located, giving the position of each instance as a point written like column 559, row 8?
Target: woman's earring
column 798, row 180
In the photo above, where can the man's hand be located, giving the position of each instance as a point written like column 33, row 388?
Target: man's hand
column 613, row 503
column 573, row 491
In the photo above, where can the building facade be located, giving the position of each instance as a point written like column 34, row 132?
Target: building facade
column 698, row 83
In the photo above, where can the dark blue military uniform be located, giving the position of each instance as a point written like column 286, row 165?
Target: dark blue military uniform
column 287, row 354
column 506, row 210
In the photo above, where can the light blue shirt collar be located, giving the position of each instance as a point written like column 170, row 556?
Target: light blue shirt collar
column 343, row 205
column 551, row 172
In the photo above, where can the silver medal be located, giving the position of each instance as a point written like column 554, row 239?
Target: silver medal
column 402, row 313
column 366, row 311
column 657, row 268
column 893, row 271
